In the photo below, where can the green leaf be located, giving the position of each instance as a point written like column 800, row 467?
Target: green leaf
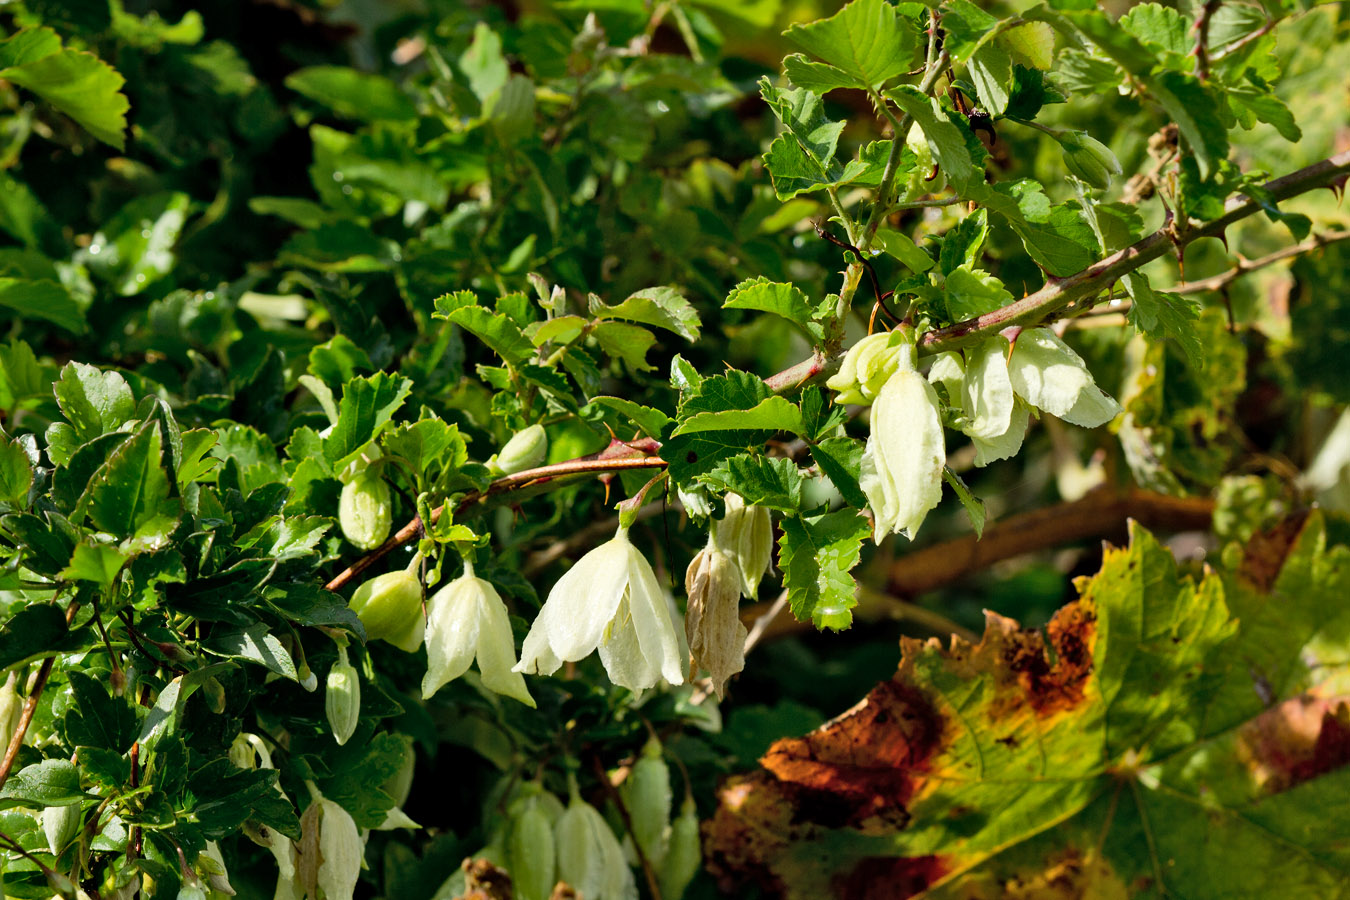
column 502, row 335
column 79, row 84
column 427, row 445
column 35, row 631
column 867, row 39
column 818, row 78
column 196, row 462
column 45, row 300
column 353, row 94
column 366, row 407
column 974, row 506
column 629, row 343
column 1162, row 315
column 965, row 23
column 693, row 454
column 840, row 459
column 973, row 293
column 662, row 307
column 1159, row 27
column 1268, row 108
column 99, row 563
column 784, row 300
column 816, row 555
column 92, row 401
column 255, row 644
column 52, row 782
column 651, row 421
column 135, row 248
column 100, row 721
column 771, row 414
column 991, row 69
column 131, row 491
column 963, row 243
column 802, row 158
column 901, row 247
column 16, row 473
column 309, row 604
column 774, row 482
column 1193, row 107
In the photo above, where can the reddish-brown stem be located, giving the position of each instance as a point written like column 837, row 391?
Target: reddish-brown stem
column 618, row 456
column 30, row 706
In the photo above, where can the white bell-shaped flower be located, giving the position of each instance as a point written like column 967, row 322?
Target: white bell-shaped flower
column 590, row 858
column 902, row 463
column 1051, row 377
column 609, row 601
column 468, row 618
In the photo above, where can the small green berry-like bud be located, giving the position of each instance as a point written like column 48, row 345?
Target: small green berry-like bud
column 60, row 824
column 342, row 699
column 647, row 797
column 390, row 608
column 531, row 849
column 525, row 450
column 365, row 511
column 1089, row 158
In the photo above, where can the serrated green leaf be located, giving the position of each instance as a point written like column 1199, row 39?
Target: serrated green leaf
column 772, row 482
column 448, row 303
column 816, row 555
column 901, row 247
column 867, row 39
column 16, row 472
column 651, row 421
column 1162, row 315
column 94, row 402
column 79, row 84
column 100, row 721
column 366, row 407
column 1192, row 106
column 131, row 490
column 973, row 293
column 52, row 782
column 44, row 300
column 991, row 69
column 816, row 77
column 784, row 300
column 255, row 644
column 771, row 414
column 427, row 444
column 840, row 459
column 630, row 343
column 99, row 563
column 1268, row 108
column 497, row 331
column 694, row 454
column 353, row 94
column 663, row 307
column 1159, row 27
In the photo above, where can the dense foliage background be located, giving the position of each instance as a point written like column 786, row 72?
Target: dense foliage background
column 250, row 250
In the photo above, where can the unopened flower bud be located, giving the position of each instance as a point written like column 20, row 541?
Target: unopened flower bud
column 902, row 463
column 60, row 824
column 866, row 367
column 746, row 534
column 525, row 450
column 684, row 856
column 390, row 608
column 712, row 622
column 340, row 849
column 342, row 698
column 531, row 848
column 1089, row 158
column 11, row 708
column 590, row 858
column 366, row 510
column 212, row 867
column 646, row 795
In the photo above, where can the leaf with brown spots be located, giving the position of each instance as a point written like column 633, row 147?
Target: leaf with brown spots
column 1123, row 752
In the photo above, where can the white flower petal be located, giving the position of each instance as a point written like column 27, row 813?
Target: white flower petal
column 1006, row 445
column 580, row 606
column 652, row 622
column 1049, row 375
column 452, row 631
column 902, row 463
column 988, row 391
column 497, row 649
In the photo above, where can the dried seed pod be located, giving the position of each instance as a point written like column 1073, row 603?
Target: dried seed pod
column 712, row 623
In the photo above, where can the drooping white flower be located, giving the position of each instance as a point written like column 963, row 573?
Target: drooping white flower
column 610, row 602
column 1049, row 375
column 902, row 463
column 468, row 618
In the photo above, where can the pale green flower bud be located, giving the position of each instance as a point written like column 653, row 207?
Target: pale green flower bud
column 342, row 698
column 60, row 824
column 366, row 510
column 902, row 462
column 712, row 622
column 918, row 183
column 390, row 608
column 867, row 365
column 525, row 450
column 1088, row 158
column 1051, row 377
column 11, row 709
column 646, row 795
column 609, row 602
column 590, row 858
column 684, row 856
column 746, row 534
column 531, row 848
column 468, row 618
